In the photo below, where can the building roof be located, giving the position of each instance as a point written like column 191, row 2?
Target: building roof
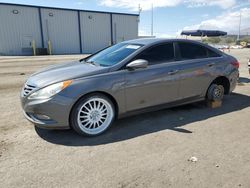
column 70, row 9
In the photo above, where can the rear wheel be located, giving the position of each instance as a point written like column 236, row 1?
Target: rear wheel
column 92, row 115
column 215, row 92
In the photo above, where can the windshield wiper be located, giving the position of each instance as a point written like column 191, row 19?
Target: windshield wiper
column 92, row 63
column 82, row 60
column 103, row 65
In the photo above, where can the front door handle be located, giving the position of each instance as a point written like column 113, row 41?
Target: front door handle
column 211, row 64
column 172, row 72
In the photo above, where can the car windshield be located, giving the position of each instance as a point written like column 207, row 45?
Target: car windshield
column 113, row 55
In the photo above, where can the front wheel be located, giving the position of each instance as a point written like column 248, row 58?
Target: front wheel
column 92, row 115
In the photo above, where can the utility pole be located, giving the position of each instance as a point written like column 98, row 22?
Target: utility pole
column 152, row 21
column 139, row 17
column 139, row 11
column 238, row 38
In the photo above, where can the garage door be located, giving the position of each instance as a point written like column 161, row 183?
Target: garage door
column 62, row 29
column 125, row 27
column 95, row 30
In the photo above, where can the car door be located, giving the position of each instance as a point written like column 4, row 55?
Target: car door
column 157, row 84
column 195, row 68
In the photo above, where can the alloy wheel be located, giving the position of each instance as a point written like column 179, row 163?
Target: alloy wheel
column 95, row 115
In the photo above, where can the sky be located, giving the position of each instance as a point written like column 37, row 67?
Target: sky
column 170, row 16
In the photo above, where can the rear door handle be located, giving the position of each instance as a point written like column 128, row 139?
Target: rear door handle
column 211, row 64
column 172, row 72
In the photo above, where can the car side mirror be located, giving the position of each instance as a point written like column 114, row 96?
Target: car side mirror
column 137, row 64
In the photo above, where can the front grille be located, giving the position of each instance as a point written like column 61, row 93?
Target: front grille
column 27, row 89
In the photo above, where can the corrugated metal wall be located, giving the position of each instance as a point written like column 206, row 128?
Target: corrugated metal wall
column 125, row 27
column 70, row 31
column 18, row 27
column 95, row 31
column 62, row 28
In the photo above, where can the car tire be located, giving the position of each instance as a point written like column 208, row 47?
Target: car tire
column 215, row 92
column 92, row 115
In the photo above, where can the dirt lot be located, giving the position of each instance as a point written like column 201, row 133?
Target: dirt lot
column 150, row 150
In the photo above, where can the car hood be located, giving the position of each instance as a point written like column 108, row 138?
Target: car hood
column 62, row 72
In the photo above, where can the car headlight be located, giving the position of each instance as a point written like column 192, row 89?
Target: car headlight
column 50, row 91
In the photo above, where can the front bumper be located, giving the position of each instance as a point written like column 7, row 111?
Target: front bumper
column 51, row 113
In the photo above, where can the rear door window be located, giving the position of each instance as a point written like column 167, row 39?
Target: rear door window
column 158, row 54
column 192, row 51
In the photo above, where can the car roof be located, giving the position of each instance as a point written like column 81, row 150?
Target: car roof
column 154, row 41
column 150, row 41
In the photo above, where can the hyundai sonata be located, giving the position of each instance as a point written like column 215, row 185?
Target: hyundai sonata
column 127, row 78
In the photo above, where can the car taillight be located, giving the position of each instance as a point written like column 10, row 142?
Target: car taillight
column 236, row 64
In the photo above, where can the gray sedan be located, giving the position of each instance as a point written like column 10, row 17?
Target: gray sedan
column 128, row 78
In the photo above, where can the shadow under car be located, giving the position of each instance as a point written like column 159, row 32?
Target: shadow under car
column 173, row 119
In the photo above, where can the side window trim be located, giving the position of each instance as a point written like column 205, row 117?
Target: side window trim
column 177, row 53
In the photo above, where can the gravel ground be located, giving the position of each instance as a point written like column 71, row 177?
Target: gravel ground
column 149, row 150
